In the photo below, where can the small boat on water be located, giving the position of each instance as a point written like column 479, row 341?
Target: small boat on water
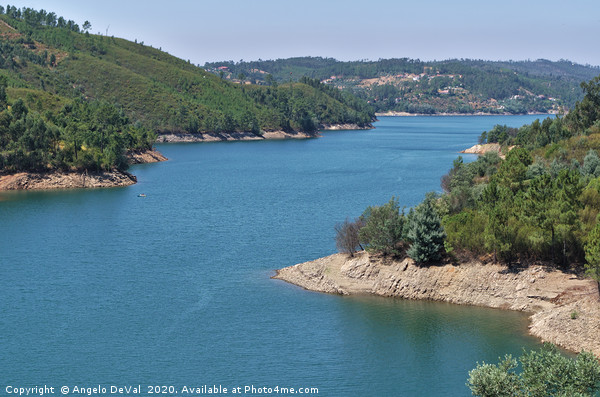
column 141, row 195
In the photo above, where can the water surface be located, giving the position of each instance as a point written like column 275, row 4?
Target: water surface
column 104, row 287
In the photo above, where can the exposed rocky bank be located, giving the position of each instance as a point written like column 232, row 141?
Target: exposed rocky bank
column 552, row 297
column 394, row 113
column 173, row 137
column 230, row 136
column 65, row 180
column 145, row 156
column 77, row 180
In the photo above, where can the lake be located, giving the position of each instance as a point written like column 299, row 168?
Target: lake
column 102, row 287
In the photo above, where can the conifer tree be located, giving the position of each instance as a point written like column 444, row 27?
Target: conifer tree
column 426, row 234
column 592, row 255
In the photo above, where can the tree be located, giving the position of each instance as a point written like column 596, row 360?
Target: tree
column 3, row 98
column 87, row 26
column 592, row 255
column 426, row 234
column 513, row 170
column 496, row 203
column 346, row 237
column 270, row 80
column 567, row 190
column 545, row 372
column 384, row 228
column 591, row 164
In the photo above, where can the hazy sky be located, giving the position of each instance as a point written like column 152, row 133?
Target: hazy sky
column 348, row 30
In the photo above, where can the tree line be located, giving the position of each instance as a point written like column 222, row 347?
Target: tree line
column 387, row 230
column 41, row 18
column 448, row 86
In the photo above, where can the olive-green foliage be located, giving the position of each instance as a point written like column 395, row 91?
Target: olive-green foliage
column 384, row 228
column 465, row 230
column 525, row 208
column 545, row 372
column 425, row 234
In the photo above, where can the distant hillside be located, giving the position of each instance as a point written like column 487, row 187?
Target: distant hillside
column 43, row 55
column 72, row 102
column 414, row 86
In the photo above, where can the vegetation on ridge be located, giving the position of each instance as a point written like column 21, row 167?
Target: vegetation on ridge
column 413, row 86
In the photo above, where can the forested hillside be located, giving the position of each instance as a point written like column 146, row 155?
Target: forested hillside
column 414, row 86
column 164, row 93
column 540, row 204
column 73, row 100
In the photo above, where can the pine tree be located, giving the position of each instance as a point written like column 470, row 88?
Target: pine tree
column 426, row 234
column 592, row 255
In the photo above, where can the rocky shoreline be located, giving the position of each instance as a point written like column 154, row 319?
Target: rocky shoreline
column 340, row 127
column 392, row 113
column 176, row 137
column 182, row 137
column 145, row 156
column 486, row 148
column 65, row 180
column 78, row 179
column 564, row 308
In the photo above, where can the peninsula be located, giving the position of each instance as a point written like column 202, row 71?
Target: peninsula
column 518, row 232
column 56, row 179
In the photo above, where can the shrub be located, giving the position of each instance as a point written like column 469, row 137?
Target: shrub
column 346, row 237
column 384, row 228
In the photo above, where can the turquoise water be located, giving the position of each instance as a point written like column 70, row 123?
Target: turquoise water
column 101, row 287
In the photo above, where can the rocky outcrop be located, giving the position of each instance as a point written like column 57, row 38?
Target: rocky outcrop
column 339, row 127
column 565, row 308
column 65, row 180
column 483, row 148
column 145, row 156
column 487, row 147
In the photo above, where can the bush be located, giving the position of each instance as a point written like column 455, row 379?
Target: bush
column 383, row 229
column 346, row 237
column 544, row 373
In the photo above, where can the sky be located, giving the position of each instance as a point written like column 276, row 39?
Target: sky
column 210, row 31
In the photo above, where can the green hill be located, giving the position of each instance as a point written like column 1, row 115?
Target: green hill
column 157, row 90
column 413, row 86
column 72, row 100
